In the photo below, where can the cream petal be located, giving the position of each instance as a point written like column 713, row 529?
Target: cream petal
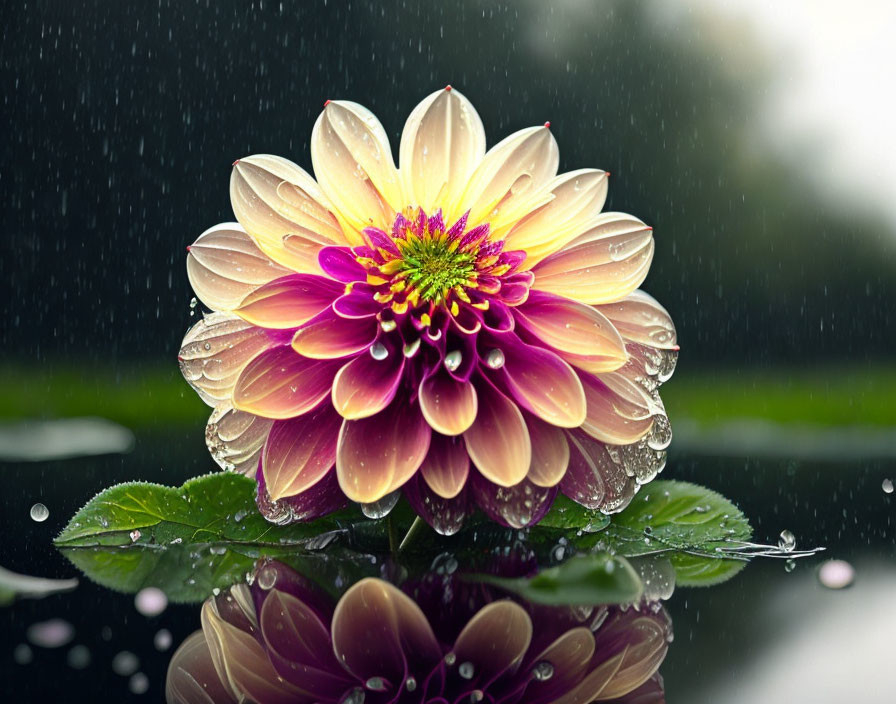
column 300, row 451
column 579, row 333
column 576, row 200
column 241, row 662
column 224, row 265
column 510, row 180
column 376, row 455
column 495, row 640
column 280, row 384
column 192, row 678
column 378, row 631
column 640, row 318
column 235, row 438
column 274, row 198
column 498, row 441
column 572, row 652
column 214, row 352
column 446, row 466
column 620, row 411
column 442, row 144
column 448, row 405
column 354, row 166
column 550, row 452
column 603, row 265
column 290, row 301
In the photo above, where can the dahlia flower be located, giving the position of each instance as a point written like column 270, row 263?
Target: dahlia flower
column 281, row 640
column 465, row 327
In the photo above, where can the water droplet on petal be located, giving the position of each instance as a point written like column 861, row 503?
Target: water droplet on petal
column 450, row 659
column 453, row 360
column 267, row 578
column 354, row 696
column 376, row 684
column 466, row 670
column 495, row 359
column 543, row 671
column 410, row 684
column 378, row 351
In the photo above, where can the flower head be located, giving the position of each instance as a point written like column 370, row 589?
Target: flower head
column 283, row 640
column 465, row 328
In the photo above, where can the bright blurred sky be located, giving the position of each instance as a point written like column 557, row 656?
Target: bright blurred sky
column 833, row 102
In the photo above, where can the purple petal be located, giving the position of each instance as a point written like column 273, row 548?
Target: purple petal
column 446, row 516
column 380, row 240
column 339, row 263
column 458, row 227
column 322, row 498
column 359, row 303
column 518, row 506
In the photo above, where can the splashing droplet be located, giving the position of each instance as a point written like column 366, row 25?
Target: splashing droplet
column 786, row 541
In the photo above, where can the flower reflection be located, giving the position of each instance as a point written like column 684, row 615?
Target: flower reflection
column 439, row 640
column 465, row 327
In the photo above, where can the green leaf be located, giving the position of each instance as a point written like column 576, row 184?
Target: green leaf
column 568, row 515
column 597, row 578
column 187, row 541
column 686, row 521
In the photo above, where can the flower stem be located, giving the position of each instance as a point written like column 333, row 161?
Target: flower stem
column 413, row 531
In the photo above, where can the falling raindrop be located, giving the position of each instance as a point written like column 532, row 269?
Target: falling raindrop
column 151, row 601
column 786, row 541
column 125, row 663
column 790, row 566
column 162, row 640
column 887, row 486
column 22, row 654
column 39, row 513
column 836, row 574
column 139, row 683
column 78, row 657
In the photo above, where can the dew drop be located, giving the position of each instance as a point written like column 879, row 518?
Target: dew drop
column 410, row 684
column 410, row 348
column 495, row 359
column 450, row 659
column 39, row 513
column 388, row 325
column 376, row 684
column 543, row 671
column 267, row 578
column 453, row 360
column 466, row 670
column 354, row 696
column 378, row 351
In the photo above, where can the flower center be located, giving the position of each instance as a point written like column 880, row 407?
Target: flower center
column 423, row 261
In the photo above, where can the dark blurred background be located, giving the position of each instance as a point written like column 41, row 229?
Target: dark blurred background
column 754, row 136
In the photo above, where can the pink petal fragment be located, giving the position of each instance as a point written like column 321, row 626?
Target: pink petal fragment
column 376, row 455
column 275, row 199
column 603, row 265
column 579, row 333
column 448, row 405
column 330, row 336
column 498, row 441
column 446, row 466
column 290, row 301
column 550, row 453
column 300, row 451
column 442, row 144
column 216, row 349
column 543, row 384
column 367, row 384
column 282, row 384
column 224, row 265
